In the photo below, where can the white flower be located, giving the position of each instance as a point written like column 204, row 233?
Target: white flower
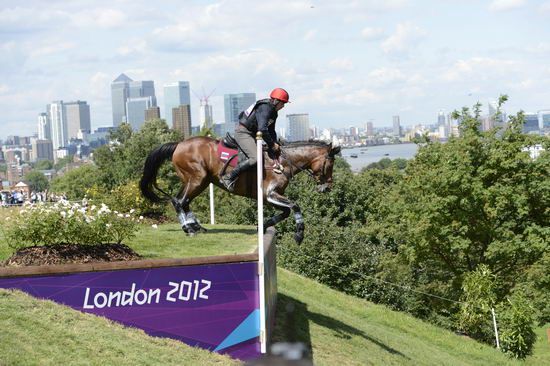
column 127, row 215
column 7, row 218
column 141, row 217
column 116, row 212
column 93, row 207
column 108, row 225
column 120, row 215
column 132, row 211
column 63, row 213
column 154, row 226
column 22, row 212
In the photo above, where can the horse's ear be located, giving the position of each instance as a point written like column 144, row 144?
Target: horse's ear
column 334, row 151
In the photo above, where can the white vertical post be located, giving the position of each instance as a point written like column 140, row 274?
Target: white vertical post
column 496, row 329
column 212, row 221
column 261, row 279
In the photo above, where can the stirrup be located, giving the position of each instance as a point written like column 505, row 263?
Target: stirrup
column 228, row 183
column 277, row 168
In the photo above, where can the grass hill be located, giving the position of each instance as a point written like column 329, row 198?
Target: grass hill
column 340, row 329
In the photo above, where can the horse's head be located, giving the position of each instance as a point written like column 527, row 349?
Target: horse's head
column 322, row 165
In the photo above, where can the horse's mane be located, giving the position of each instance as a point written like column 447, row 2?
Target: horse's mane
column 306, row 143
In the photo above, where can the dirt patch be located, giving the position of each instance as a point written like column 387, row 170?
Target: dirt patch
column 71, row 253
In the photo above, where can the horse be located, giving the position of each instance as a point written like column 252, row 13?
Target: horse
column 197, row 164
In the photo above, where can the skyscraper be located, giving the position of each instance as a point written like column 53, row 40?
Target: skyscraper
column 120, row 90
column 234, row 104
column 205, row 114
column 44, row 128
column 78, row 118
column 152, row 113
column 396, row 126
column 531, row 123
column 58, row 123
column 298, row 127
column 42, row 150
column 544, row 120
column 370, row 129
column 181, row 117
column 175, row 94
column 135, row 109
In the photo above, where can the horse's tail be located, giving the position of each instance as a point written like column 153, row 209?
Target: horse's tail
column 150, row 170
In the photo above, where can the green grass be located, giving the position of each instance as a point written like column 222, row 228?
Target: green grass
column 38, row 332
column 340, row 329
column 169, row 241
column 345, row 330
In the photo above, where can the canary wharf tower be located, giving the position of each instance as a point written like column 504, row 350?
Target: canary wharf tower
column 120, row 92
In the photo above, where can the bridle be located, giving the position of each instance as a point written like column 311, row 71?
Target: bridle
column 310, row 172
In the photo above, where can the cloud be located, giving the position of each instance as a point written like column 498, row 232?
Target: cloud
column 501, row 5
column 406, row 37
column 52, row 47
column 134, row 46
column 478, row 68
column 100, row 18
column 372, row 34
column 19, row 19
column 310, row 35
column 4, row 89
column 341, row 64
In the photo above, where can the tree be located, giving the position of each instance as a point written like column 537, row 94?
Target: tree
column 478, row 199
column 74, row 183
column 122, row 161
column 63, row 162
column 38, row 180
column 44, row 165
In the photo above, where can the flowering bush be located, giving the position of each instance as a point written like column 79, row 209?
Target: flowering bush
column 124, row 198
column 65, row 222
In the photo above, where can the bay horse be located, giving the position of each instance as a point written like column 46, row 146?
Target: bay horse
column 197, row 164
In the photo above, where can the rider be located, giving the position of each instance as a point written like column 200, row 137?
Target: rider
column 260, row 116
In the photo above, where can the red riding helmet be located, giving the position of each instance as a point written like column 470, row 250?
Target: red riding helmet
column 279, row 94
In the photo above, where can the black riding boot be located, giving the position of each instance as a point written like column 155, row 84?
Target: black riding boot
column 229, row 179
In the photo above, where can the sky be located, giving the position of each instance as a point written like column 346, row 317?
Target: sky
column 343, row 62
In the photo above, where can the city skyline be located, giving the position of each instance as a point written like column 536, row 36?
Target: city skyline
column 341, row 63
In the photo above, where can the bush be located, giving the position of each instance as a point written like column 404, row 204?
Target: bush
column 125, row 198
column 515, row 322
column 64, row 222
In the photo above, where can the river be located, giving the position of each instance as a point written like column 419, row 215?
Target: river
column 372, row 154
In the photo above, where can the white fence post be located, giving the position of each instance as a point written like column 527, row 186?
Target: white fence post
column 212, row 220
column 261, row 254
column 495, row 325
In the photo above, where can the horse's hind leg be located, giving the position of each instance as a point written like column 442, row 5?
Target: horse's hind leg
column 189, row 223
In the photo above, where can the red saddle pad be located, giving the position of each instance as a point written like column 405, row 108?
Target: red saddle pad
column 225, row 153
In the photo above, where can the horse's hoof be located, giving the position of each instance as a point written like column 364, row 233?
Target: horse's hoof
column 298, row 237
column 191, row 234
column 203, row 230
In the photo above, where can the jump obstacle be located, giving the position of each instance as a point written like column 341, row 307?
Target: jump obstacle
column 225, row 304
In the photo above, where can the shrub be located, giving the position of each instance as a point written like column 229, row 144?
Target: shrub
column 125, row 198
column 515, row 321
column 64, row 222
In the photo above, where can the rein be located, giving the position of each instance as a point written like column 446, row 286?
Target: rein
column 308, row 171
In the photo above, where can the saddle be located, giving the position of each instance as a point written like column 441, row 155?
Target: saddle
column 230, row 152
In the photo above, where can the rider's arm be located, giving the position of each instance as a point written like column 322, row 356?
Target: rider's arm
column 262, row 116
column 273, row 133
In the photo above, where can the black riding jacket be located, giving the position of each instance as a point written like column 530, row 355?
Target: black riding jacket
column 261, row 117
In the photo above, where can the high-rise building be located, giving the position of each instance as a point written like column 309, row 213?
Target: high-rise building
column 531, row 123
column 370, row 129
column 396, row 126
column 120, row 91
column 44, row 128
column 78, row 118
column 544, row 120
column 298, row 127
column 135, row 109
column 175, row 94
column 234, row 104
column 205, row 114
column 42, row 150
column 181, row 117
column 58, row 123
column 152, row 113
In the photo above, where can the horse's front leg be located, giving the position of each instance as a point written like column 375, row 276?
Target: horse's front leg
column 285, row 204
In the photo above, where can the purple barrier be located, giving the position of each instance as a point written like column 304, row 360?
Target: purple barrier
column 211, row 306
